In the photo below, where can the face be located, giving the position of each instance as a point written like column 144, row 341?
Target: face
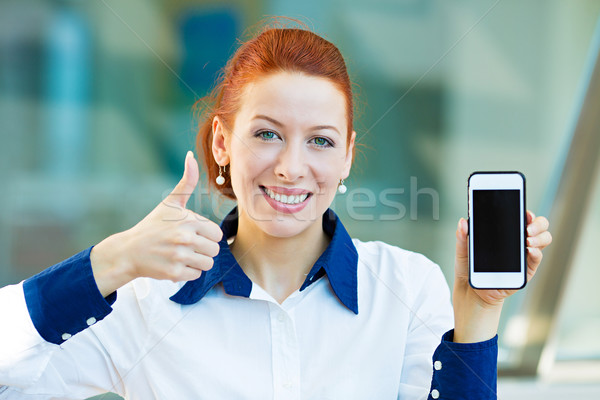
column 286, row 152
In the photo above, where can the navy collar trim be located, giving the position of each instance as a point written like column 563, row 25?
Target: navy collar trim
column 339, row 261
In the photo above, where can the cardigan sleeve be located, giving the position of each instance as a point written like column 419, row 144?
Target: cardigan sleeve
column 464, row 370
column 38, row 316
column 64, row 299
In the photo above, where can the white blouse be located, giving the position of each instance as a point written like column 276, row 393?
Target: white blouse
column 231, row 346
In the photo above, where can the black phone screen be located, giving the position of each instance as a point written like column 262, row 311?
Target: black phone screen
column 496, row 235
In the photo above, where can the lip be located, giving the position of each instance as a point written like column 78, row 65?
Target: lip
column 287, row 191
column 286, row 208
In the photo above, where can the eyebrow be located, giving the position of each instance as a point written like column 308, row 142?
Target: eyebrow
column 281, row 125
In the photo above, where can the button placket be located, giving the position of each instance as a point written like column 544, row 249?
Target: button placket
column 285, row 354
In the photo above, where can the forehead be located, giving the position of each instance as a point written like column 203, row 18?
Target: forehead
column 295, row 98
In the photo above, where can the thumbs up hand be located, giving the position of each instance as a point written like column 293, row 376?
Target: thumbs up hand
column 171, row 242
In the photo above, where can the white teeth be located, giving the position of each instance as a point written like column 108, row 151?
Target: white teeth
column 291, row 199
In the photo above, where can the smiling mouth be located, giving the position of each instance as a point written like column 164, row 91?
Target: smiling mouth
column 286, row 199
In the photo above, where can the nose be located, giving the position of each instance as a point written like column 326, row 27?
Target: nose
column 291, row 163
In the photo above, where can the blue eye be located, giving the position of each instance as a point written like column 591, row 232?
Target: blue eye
column 267, row 135
column 322, row 142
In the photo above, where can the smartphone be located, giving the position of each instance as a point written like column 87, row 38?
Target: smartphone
column 497, row 223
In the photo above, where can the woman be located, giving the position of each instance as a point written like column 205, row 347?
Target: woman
column 276, row 303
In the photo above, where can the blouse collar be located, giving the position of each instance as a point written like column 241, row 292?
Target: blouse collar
column 339, row 262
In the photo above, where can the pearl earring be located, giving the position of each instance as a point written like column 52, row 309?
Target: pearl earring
column 220, row 180
column 341, row 187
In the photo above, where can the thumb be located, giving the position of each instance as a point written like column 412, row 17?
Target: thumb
column 186, row 186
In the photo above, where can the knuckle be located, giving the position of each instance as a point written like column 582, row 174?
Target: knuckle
column 174, row 273
column 170, row 253
column 190, row 215
column 178, row 254
column 195, row 216
column 175, row 237
column 182, row 237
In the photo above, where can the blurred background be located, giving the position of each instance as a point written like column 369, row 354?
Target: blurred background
column 96, row 117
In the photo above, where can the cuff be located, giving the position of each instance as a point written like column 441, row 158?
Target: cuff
column 465, row 370
column 64, row 299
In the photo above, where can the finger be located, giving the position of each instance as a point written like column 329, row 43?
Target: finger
column 540, row 241
column 205, row 227
column 204, row 246
column 539, row 225
column 185, row 255
column 186, row 186
column 534, row 258
column 462, row 249
column 184, row 273
column 461, row 238
column 211, row 231
column 530, row 217
column 200, row 262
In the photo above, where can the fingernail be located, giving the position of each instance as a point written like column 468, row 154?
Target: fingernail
column 530, row 242
column 532, row 215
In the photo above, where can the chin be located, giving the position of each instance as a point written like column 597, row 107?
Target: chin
column 281, row 228
column 285, row 225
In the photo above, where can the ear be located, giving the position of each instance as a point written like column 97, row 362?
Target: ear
column 219, row 142
column 348, row 160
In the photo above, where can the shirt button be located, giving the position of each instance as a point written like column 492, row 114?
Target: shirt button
column 66, row 336
column 281, row 317
column 91, row 321
column 437, row 365
column 288, row 385
column 435, row 394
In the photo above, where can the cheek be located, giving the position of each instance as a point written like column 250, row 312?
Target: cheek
column 327, row 171
column 247, row 164
column 329, row 166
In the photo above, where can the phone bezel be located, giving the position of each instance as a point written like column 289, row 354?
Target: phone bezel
column 482, row 180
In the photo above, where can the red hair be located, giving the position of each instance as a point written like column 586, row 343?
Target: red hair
column 273, row 50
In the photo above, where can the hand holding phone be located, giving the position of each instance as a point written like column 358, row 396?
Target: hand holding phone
column 497, row 236
column 477, row 312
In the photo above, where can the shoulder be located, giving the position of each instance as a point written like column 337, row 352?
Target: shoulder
column 399, row 268
column 383, row 256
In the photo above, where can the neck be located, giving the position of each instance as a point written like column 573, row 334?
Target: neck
column 278, row 265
